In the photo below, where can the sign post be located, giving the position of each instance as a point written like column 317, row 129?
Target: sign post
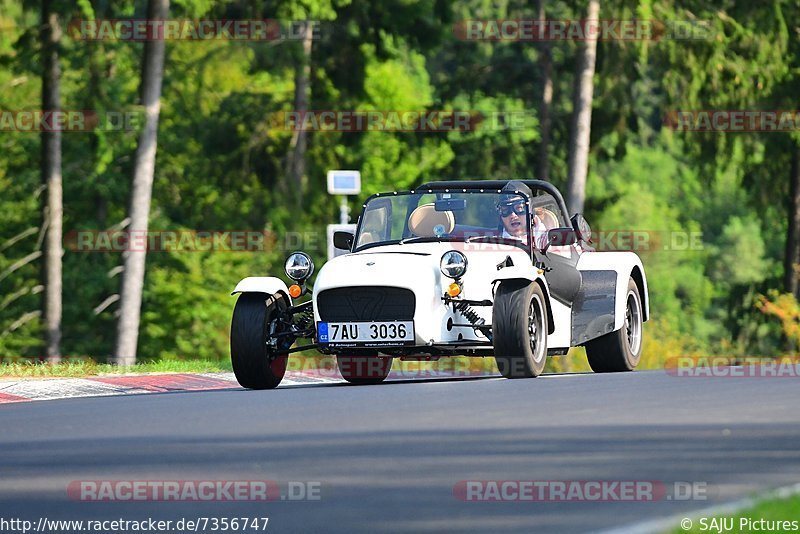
column 342, row 182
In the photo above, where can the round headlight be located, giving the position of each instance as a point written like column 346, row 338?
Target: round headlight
column 298, row 266
column 453, row 264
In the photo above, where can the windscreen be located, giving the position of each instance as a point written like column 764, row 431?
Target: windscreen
column 444, row 216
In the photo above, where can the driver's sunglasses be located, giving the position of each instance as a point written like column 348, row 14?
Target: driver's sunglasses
column 518, row 208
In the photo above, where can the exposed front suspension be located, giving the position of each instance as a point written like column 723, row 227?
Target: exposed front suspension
column 464, row 307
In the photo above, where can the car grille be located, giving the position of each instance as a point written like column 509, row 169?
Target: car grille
column 366, row 303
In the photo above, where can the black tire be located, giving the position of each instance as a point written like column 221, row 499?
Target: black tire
column 519, row 329
column 620, row 350
column 250, row 357
column 364, row 370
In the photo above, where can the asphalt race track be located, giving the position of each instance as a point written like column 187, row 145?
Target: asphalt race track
column 388, row 457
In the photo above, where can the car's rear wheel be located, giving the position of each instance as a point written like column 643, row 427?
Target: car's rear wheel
column 364, row 370
column 519, row 329
column 620, row 350
column 254, row 363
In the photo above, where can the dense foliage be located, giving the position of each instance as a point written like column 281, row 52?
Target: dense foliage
column 222, row 156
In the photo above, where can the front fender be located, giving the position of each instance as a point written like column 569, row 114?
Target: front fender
column 518, row 272
column 262, row 284
column 531, row 274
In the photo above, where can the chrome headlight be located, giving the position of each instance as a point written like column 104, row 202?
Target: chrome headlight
column 298, row 266
column 453, row 264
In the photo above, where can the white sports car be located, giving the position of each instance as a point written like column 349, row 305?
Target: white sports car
column 484, row 268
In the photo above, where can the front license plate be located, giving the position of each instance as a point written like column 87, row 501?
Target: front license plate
column 366, row 334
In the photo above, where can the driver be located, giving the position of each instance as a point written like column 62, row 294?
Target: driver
column 514, row 219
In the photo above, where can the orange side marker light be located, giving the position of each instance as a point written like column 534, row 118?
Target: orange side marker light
column 454, row 290
column 295, row 291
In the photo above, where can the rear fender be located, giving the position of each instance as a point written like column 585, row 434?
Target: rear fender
column 626, row 265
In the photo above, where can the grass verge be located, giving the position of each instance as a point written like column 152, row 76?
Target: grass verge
column 80, row 368
column 326, row 365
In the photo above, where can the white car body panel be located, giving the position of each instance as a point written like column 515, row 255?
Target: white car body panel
column 416, row 267
column 562, row 319
column 623, row 263
column 262, row 284
column 405, row 266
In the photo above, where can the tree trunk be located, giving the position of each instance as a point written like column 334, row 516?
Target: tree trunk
column 792, row 255
column 546, row 102
column 95, row 100
column 582, row 120
column 296, row 159
column 52, row 211
column 141, row 192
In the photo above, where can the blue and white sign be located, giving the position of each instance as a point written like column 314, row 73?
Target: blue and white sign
column 344, row 182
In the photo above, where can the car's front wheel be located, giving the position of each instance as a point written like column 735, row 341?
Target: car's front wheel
column 519, row 329
column 254, row 363
column 620, row 350
column 364, row 370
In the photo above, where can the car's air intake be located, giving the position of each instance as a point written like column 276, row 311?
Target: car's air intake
column 366, row 303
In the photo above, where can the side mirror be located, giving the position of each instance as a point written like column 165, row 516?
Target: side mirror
column 343, row 240
column 559, row 237
column 581, row 227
